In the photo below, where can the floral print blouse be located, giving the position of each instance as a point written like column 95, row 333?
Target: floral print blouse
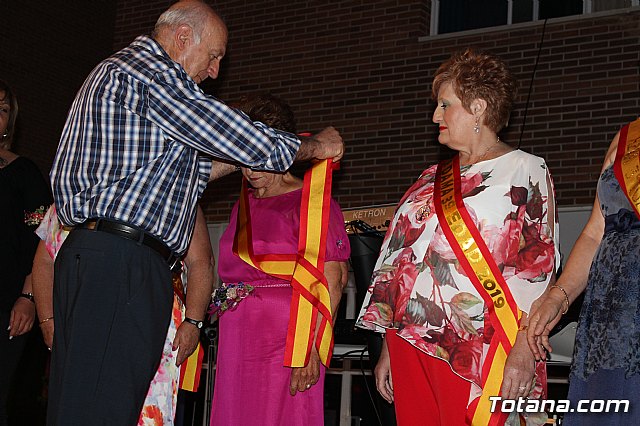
column 418, row 285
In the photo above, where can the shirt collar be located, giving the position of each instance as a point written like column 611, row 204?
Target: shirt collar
column 148, row 43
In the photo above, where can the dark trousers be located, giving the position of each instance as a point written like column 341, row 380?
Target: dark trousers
column 112, row 307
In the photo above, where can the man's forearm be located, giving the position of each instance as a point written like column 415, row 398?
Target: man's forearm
column 220, row 169
column 199, row 288
column 310, row 149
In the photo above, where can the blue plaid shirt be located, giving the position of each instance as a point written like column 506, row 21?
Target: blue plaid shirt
column 138, row 141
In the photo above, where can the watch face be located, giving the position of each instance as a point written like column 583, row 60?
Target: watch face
column 194, row 322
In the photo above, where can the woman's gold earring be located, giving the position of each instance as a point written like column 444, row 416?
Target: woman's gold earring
column 476, row 128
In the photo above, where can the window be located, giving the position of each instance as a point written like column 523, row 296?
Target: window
column 448, row 16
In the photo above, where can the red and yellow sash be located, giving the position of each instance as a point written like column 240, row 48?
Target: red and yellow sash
column 191, row 367
column 476, row 260
column 190, row 370
column 627, row 164
column 305, row 269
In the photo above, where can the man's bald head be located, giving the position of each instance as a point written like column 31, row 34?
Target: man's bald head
column 194, row 36
column 193, row 13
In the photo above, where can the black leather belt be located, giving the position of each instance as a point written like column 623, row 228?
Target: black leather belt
column 137, row 235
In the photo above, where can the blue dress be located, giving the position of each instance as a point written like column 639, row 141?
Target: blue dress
column 606, row 359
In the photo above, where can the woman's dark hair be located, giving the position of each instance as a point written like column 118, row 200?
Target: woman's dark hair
column 6, row 138
column 479, row 75
column 268, row 109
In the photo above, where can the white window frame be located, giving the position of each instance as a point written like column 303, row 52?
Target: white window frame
column 587, row 6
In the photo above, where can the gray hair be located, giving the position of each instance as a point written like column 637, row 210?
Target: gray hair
column 188, row 14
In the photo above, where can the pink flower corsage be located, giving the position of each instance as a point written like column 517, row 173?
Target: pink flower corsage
column 226, row 297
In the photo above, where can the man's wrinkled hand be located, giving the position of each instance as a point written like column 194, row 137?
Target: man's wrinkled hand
column 331, row 144
column 186, row 341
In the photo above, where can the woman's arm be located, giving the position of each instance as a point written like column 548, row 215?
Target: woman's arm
column 301, row 377
column 548, row 309
column 23, row 312
column 520, row 366
column 337, row 276
column 382, row 373
column 42, row 277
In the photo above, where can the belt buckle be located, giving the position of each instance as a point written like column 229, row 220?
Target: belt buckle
column 89, row 224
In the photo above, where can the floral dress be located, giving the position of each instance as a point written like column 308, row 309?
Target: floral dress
column 418, row 286
column 160, row 403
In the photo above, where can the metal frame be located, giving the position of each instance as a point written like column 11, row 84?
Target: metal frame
column 587, row 6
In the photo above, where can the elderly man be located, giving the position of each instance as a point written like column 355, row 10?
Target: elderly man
column 134, row 157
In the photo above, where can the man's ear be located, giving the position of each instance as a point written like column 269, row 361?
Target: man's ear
column 183, row 37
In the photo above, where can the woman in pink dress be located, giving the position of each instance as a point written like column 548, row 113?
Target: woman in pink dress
column 252, row 386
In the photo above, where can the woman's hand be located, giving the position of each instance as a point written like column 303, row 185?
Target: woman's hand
column 519, row 370
column 382, row 372
column 546, row 311
column 47, row 333
column 22, row 317
column 302, row 378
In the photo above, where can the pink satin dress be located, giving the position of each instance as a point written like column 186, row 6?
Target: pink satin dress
column 251, row 383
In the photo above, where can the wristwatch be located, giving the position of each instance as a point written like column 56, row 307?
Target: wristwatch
column 194, row 322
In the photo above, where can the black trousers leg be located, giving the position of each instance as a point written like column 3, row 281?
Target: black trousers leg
column 112, row 307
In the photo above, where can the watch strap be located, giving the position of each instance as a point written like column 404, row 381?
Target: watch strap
column 193, row 322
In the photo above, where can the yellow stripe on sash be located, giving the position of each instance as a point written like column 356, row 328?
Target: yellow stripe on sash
column 627, row 164
column 483, row 415
column 190, row 370
column 310, row 295
column 481, row 269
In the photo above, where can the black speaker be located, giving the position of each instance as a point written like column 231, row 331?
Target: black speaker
column 365, row 248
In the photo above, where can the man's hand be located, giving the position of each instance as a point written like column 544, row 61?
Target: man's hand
column 326, row 144
column 186, row 341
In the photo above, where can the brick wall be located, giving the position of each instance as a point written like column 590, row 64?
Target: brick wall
column 363, row 67
column 366, row 68
column 47, row 48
